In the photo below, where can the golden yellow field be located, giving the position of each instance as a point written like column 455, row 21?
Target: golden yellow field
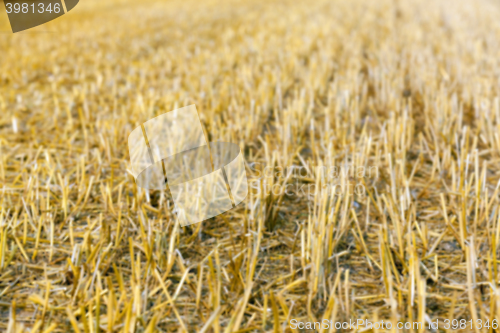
column 371, row 135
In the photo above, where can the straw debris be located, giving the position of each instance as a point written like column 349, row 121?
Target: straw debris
column 404, row 93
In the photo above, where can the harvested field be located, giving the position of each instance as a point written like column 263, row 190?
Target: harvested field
column 371, row 135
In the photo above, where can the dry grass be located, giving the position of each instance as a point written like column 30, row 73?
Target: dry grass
column 410, row 89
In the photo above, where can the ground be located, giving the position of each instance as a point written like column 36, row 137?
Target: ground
column 370, row 134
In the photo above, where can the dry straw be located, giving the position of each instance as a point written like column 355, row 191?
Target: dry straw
column 408, row 87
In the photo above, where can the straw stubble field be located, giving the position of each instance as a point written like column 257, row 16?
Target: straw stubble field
column 409, row 89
